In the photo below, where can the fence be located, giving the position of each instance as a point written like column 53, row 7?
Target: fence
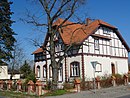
column 37, row 88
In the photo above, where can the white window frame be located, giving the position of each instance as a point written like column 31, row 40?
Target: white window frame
column 38, row 72
column 44, row 71
column 75, row 69
column 96, row 44
column 60, row 72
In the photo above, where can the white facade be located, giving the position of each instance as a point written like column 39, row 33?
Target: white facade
column 4, row 73
column 104, row 46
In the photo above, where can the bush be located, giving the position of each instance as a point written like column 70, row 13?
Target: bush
column 48, row 85
column 106, row 82
column 68, row 85
column 32, row 77
column 118, row 76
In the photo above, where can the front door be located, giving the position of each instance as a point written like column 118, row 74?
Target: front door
column 113, row 69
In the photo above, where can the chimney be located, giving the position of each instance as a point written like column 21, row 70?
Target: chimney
column 88, row 21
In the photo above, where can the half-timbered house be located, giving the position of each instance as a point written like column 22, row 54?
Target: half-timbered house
column 96, row 48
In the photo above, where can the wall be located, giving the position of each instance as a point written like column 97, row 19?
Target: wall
column 3, row 72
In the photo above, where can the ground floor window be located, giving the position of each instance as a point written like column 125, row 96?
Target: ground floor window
column 74, row 69
column 45, row 71
column 60, row 72
column 50, row 71
column 38, row 71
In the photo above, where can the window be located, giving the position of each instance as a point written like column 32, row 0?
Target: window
column 74, row 69
column 50, row 71
column 106, row 30
column 60, row 72
column 96, row 44
column 39, row 56
column 38, row 71
column 44, row 71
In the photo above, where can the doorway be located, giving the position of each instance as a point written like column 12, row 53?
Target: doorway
column 113, row 68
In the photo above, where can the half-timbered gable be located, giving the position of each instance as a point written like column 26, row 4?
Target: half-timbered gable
column 95, row 41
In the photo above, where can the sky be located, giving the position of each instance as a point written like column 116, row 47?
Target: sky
column 114, row 12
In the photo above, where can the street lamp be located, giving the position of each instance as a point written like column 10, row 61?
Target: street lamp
column 94, row 63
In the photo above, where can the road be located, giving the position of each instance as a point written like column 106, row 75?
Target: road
column 126, row 96
column 112, row 92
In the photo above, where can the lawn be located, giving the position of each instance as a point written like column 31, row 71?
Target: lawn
column 13, row 94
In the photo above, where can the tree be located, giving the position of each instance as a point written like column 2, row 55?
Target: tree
column 25, row 70
column 6, row 33
column 18, row 58
column 53, row 9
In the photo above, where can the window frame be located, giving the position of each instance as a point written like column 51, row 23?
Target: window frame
column 50, row 71
column 45, row 71
column 38, row 72
column 75, row 69
column 96, row 43
column 60, row 71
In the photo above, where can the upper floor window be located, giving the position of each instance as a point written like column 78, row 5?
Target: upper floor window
column 96, row 44
column 39, row 56
column 74, row 69
column 106, row 30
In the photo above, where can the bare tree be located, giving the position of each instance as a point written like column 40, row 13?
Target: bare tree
column 17, row 60
column 53, row 9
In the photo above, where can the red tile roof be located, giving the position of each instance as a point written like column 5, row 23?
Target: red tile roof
column 74, row 33
column 38, row 51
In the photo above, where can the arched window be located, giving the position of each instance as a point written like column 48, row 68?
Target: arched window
column 74, row 69
column 50, row 71
column 60, row 72
column 38, row 71
column 45, row 71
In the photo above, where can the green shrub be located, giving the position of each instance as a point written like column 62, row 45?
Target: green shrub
column 118, row 76
column 68, row 85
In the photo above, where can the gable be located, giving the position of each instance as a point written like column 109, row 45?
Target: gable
column 75, row 33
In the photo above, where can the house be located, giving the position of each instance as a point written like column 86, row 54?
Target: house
column 3, row 70
column 4, row 75
column 97, row 49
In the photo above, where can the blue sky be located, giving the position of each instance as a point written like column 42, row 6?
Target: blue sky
column 115, row 12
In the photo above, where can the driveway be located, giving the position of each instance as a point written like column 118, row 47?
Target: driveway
column 112, row 92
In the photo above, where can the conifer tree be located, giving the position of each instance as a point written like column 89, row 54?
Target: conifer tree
column 6, row 33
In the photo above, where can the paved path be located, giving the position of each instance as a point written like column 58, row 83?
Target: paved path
column 112, row 92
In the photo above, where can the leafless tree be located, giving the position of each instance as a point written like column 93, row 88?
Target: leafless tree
column 53, row 9
column 18, row 58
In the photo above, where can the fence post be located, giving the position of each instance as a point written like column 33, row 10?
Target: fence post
column 30, row 87
column 77, row 84
column 1, row 85
column 126, row 81
column 19, row 85
column 9, row 84
column 113, row 80
column 98, row 82
column 38, row 88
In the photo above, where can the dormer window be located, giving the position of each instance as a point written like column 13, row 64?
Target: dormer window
column 96, row 44
column 106, row 30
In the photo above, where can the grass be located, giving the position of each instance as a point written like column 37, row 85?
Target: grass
column 12, row 94
column 56, row 93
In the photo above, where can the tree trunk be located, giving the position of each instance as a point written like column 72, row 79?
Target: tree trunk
column 53, row 62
